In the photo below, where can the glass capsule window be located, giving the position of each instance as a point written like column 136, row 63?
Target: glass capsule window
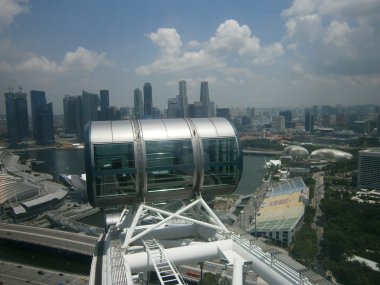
column 169, row 165
column 115, row 169
column 220, row 158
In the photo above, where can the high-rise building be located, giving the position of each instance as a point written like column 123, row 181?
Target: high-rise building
column 42, row 118
column 90, row 105
column 224, row 113
column 37, row 100
column 173, row 107
column 287, row 114
column 46, row 125
column 114, row 113
column 17, row 117
column 205, row 99
column 147, row 100
column 278, row 124
column 369, row 169
column 72, row 111
column 309, row 122
column 138, row 104
column 104, row 105
column 183, row 108
column 196, row 110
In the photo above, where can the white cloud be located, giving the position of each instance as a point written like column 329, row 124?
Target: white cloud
column 268, row 54
column 300, row 7
column 84, row 59
column 168, row 40
column 81, row 59
column 230, row 36
column 231, row 42
column 38, row 64
column 297, row 68
column 339, row 36
column 10, row 9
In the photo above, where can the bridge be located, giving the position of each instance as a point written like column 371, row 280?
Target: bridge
column 261, row 152
column 73, row 242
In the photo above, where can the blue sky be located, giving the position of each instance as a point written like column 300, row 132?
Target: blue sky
column 263, row 53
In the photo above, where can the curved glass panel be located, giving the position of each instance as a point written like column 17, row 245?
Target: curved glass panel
column 114, row 169
column 169, row 165
column 220, row 162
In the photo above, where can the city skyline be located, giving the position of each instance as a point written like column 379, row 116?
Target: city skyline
column 252, row 53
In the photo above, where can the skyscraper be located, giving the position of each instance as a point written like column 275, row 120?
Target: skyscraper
column 309, row 122
column 17, row 117
column 147, row 100
column 37, row 100
column 288, row 118
column 138, row 104
column 90, row 105
column 45, row 122
column 104, row 105
column 183, row 108
column 42, row 118
column 205, row 99
column 72, row 110
column 196, row 110
column 278, row 124
column 172, row 108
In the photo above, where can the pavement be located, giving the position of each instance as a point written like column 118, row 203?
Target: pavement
column 246, row 219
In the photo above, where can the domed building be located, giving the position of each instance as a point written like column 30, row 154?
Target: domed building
column 296, row 151
column 330, row 154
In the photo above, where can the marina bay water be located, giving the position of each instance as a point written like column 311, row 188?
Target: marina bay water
column 54, row 162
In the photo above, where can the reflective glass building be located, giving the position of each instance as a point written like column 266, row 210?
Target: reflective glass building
column 159, row 160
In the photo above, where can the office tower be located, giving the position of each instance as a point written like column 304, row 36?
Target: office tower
column 205, row 99
column 309, row 122
column 104, row 105
column 114, row 114
column 42, row 118
column 72, row 111
column 361, row 127
column 278, row 124
column 45, row 122
column 369, row 169
column 224, row 113
column 37, row 100
column 156, row 113
column 378, row 124
column 17, row 117
column 183, row 111
column 138, row 104
column 172, row 108
column 288, row 118
column 147, row 100
column 196, row 110
column 90, row 105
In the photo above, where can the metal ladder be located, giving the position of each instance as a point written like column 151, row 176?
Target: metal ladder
column 166, row 271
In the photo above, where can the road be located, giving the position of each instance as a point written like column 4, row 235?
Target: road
column 74, row 242
column 16, row 274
